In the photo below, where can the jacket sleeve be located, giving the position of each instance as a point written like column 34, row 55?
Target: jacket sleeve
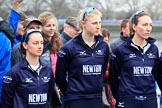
column 53, row 93
column 62, row 67
column 8, row 89
column 114, row 73
column 14, row 19
column 5, row 58
column 106, row 60
column 159, row 72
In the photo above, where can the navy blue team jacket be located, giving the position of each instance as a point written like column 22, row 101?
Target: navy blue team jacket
column 133, row 71
column 24, row 88
column 84, row 66
column 159, row 74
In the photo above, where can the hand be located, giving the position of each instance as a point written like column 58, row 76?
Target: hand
column 18, row 1
column 112, row 102
column 16, row 4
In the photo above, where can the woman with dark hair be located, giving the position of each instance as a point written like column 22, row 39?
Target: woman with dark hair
column 30, row 83
column 106, row 34
column 134, row 65
column 108, row 99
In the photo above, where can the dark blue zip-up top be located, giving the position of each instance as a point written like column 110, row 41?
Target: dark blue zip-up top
column 159, row 74
column 24, row 88
column 85, row 67
column 132, row 71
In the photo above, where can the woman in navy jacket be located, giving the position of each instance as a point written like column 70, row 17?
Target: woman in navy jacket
column 82, row 63
column 134, row 65
column 29, row 83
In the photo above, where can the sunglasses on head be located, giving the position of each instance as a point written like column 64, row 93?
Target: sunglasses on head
column 136, row 14
column 87, row 11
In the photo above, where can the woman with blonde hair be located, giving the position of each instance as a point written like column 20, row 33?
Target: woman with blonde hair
column 82, row 63
column 79, row 19
column 51, row 36
column 52, row 44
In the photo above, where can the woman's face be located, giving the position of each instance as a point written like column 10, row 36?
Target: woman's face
column 106, row 38
column 73, row 32
column 34, row 46
column 20, row 30
column 49, row 28
column 34, row 25
column 143, row 27
column 92, row 25
column 126, row 30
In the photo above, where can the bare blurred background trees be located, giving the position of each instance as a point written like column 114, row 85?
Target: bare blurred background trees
column 111, row 9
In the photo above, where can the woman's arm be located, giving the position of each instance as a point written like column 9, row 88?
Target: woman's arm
column 8, row 89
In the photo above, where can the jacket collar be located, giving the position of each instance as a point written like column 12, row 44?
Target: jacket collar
column 47, row 44
column 149, row 40
column 122, row 37
column 98, row 38
column 25, row 63
column 65, row 36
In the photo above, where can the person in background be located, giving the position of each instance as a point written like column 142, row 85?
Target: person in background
column 51, row 36
column 124, row 34
column 70, row 29
column 108, row 99
column 7, row 30
column 106, row 34
column 85, row 59
column 134, row 66
column 18, row 53
column 16, row 19
column 30, row 23
column 5, row 52
column 52, row 44
column 29, row 83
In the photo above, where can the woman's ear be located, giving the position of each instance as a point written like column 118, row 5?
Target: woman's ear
column 134, row 27
column 82, row 23
column 25, row 45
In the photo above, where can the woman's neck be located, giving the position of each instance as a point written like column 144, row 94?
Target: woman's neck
column 32, row 60
column 49, row 38
column 139, row 41
column 88, row 39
